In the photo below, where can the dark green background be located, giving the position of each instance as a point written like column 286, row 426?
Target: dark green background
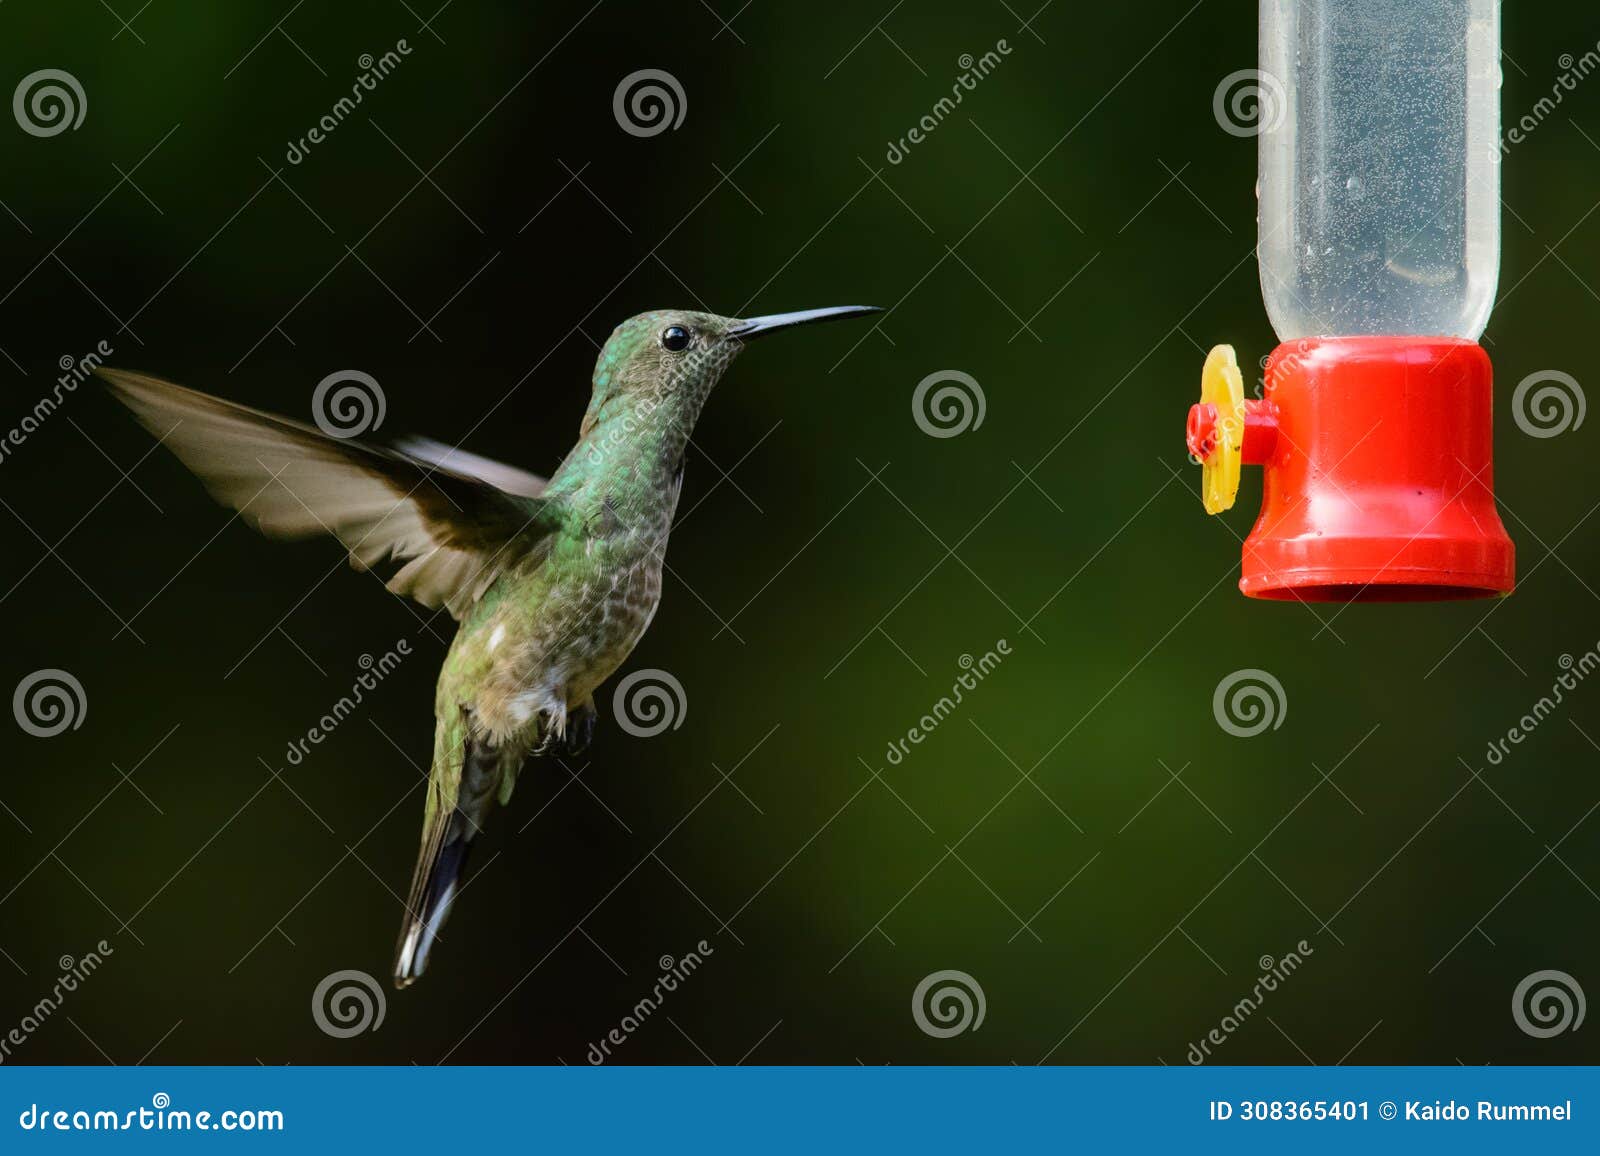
column 238, row 900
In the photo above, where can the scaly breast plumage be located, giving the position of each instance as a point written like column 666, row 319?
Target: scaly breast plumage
column 572, row 624
column 619, row 608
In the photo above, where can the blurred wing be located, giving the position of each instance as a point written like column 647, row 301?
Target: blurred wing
column 454, row 529
column 459, row 461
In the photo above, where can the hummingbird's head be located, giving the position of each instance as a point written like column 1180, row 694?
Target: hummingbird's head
column 674, row 357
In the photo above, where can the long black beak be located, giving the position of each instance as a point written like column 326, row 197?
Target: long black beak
column 772, row 322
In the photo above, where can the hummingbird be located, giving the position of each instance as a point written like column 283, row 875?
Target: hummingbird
column 551, row 582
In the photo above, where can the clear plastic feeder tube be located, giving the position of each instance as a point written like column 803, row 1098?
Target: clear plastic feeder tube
column 1379, row 250
column 1380, row 166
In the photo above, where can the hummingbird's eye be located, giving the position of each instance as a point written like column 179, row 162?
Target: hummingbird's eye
column 675, row 338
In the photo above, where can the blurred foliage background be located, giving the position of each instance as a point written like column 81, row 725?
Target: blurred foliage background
column 1073, row 237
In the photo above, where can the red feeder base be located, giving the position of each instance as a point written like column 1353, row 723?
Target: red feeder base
column 1379, row 474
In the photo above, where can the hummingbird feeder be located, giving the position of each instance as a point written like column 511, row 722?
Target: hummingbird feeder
column 1379, row 250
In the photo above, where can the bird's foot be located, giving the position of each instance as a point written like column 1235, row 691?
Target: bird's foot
column 569, row 734
column 580, row 728
column 550, row 742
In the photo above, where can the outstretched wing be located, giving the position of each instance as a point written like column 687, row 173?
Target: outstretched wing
column 459, row 461
column 453, row 525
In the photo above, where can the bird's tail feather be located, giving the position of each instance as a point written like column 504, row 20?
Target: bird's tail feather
column 447, row 834
column 432, row 893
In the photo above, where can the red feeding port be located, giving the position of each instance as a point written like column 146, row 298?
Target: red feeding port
column 1378, row 461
